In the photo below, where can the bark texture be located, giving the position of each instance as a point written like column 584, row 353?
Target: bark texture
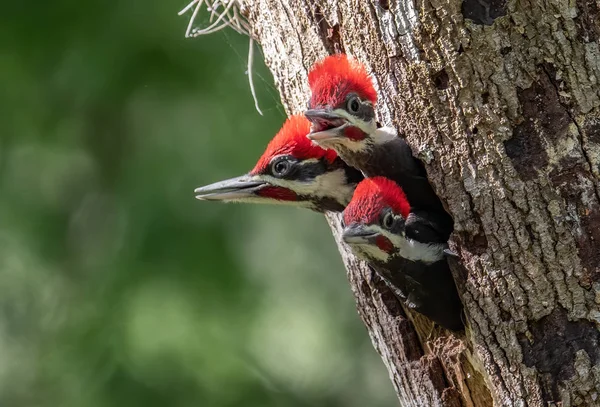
column 501, row 100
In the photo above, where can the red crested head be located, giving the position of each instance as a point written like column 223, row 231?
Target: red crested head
column 291, row 140
column 331, row 79
column 371, row 196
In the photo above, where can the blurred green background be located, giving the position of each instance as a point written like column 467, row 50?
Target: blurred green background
column 117, row 287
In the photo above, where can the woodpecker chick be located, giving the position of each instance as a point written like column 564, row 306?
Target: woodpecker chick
column 375, row 229
column 293, row 171
column 342, row 112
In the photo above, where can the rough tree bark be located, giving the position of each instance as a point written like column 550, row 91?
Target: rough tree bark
column 501, row 101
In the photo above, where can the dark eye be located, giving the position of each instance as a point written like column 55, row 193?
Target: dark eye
column 388, row 220
column 353, row 105
column 281, row 167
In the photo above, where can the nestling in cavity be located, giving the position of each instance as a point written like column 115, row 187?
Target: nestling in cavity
column 412, row 262
column 291, row 171
column 342, row 112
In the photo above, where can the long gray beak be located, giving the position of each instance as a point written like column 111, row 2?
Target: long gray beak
column 359, row 234
column 325, row 124
column 232, row 189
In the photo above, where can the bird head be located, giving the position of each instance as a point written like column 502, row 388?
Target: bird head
column 291, row 171
column 341, row 107
column 374, row 220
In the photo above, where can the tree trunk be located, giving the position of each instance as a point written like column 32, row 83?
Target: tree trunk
column 500, row 100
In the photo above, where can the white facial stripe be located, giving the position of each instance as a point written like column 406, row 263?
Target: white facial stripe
column 310, row 161
column 346, row 143
column 331, row 184
column 335, row 185
column 407, row 248
column 384, row 134
column 367, row 127
column 369, row 251
column 412, row 250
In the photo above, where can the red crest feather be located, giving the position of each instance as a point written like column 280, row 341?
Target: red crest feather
column 331, row 79
column 291, row 139
column 371, row 196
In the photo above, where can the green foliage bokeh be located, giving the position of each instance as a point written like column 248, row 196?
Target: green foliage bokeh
column 117, row 287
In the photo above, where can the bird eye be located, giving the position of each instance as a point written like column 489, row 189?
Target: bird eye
column 353, row 105
column 388, row 220
column 281, row 167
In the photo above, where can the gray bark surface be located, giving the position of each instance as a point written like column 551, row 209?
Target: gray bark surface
column 501, row 101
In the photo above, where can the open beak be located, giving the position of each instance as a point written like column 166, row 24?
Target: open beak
column 232, row 189
column 359, row 234
column 326, row 124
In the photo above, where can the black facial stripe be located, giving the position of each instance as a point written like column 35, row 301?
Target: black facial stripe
column 307, row 171
column 366, row 112
column 399, row 222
